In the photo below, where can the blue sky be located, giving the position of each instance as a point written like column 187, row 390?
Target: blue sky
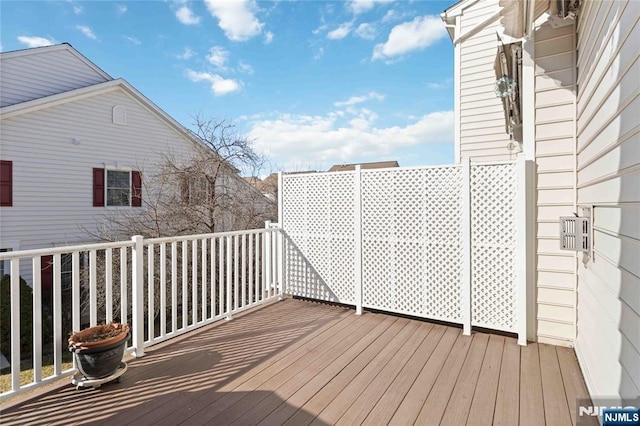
column 314, row 83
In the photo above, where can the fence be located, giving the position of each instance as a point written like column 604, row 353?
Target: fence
column 162, row 287
column 445, row 243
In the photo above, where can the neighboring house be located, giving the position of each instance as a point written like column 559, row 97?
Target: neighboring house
column 374, row 165
column 569, row 75
column 75, row 147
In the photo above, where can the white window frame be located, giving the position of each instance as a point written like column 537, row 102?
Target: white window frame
column 106, row 186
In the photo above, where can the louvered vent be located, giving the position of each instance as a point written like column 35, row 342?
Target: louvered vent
column 574, row 233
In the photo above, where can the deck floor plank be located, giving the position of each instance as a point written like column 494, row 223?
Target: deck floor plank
column 459, row 404
column 306, row 362
column 556, row 407
column 484, row 398
column 531, row 401
column 386, row 407
column 410, row 407
column 369, row 398
column 508, row 396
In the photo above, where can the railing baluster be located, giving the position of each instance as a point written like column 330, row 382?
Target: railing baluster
column 236, row 303
column 213, row 277
column 93, row 289
column 174, row 286
column 163, row 289
column 194, row 282
column 221, row 297
column 267, row 263
column 250, row 264
column 185, row 282
column 228, row 277
column 124, row 302
column 203, row 260
column 57, row 315
column 108, row 257
column 151, row 282
column 15, row 324
column 244, row 271
column 37, row 319
column 75, row 291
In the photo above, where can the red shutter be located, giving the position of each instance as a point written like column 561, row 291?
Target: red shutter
column 6, row 183
column 136, row 189
column 46, row 274
column 98, row 187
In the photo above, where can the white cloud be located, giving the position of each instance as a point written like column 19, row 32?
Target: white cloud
column 329, row 139
column 77, row 10
column 86, row 31
column 121, row 9
column 218, row 57
column 186, row 16
column 219, row 85
column 439, row 84
column 245, row 68
column 187, row 53
column 360, row 6
column 133, row 40
column 410, row 36
column 319, row 53
column 341, row 32
column 268, row 37
column 35, row 41
column 236, row 18
column 354, row 100
column 366, row 31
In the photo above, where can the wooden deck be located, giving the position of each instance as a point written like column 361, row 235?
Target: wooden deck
column 298, row 362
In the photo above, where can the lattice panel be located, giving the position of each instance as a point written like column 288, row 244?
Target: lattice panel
column 318, row 216
column 493, row 190
column 406, row 213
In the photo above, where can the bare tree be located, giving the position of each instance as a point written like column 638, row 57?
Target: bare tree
column 200, row 191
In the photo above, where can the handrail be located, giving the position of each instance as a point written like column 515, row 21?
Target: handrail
column 163, row 287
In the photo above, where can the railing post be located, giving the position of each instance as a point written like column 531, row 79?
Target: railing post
column 522, row 255
column 357, row 198
column 280, row 236
column 465, row 284
column 137, row 290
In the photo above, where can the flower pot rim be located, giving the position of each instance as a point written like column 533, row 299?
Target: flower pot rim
column 76, row 340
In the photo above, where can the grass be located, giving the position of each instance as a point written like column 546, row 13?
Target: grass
column 26, row 370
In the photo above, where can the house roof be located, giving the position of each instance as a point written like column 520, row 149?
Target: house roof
column 374, row 165
column 56, row 47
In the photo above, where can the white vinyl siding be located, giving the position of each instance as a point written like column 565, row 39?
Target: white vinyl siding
column 483, row 135
column 52, row 177
column 554, row 56
column 36, row 73
column 608, row 177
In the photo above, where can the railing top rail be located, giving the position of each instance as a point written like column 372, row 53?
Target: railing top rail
column 161, row 240
column 63, row 249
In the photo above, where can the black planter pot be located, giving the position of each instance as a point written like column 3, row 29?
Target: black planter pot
column 99, row 362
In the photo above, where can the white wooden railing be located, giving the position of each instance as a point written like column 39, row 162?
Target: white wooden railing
column 161, row 287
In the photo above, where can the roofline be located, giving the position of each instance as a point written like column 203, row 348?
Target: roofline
column 14, row 110
column 53, row 48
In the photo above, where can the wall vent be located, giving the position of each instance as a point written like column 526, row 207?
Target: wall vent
column 574, row 233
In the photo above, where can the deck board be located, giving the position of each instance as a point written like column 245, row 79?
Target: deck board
column 299, row 362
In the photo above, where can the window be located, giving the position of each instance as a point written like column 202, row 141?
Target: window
column 116, row 188
column 66, row 268
column 6, row 183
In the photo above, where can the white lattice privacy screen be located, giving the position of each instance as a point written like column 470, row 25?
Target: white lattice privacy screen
column 410, row 227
